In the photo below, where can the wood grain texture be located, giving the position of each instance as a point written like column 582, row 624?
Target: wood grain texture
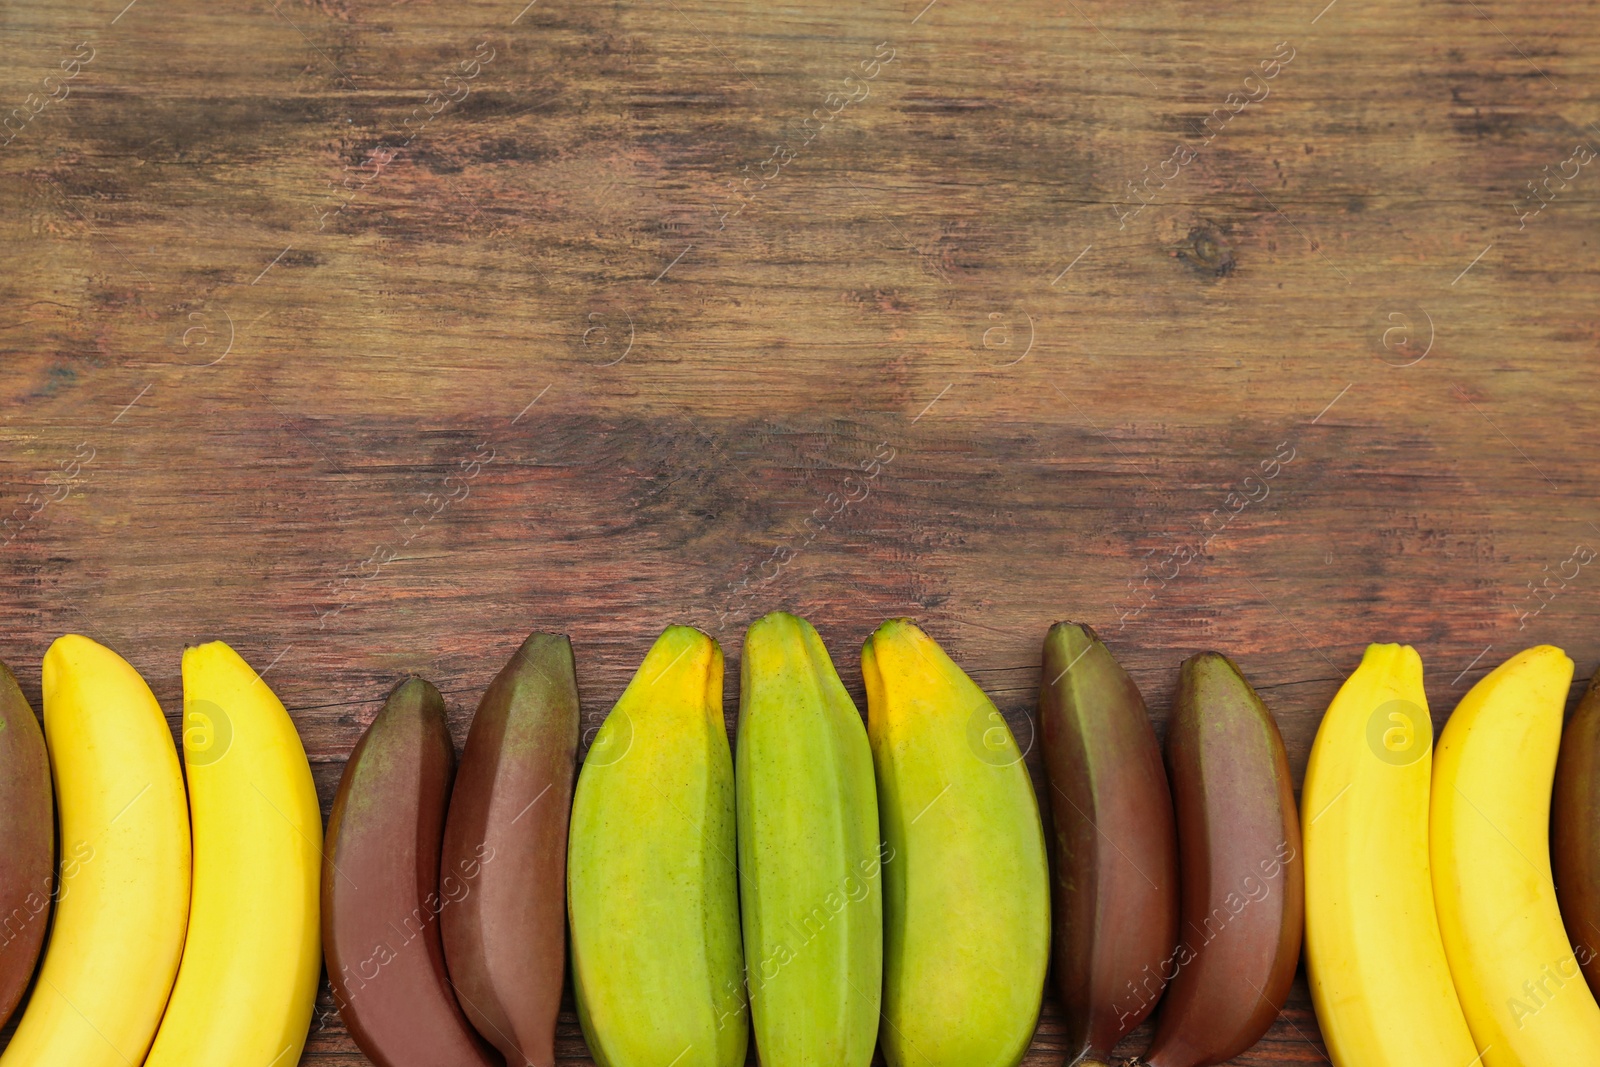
column 274, row 271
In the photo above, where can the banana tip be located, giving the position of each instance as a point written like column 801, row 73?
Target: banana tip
column 681, row 628
column 546, row 635
column 1068, row 642
column 74, row 649
column 66, row 641
column 1211, row 655
column 1089, row 632
column 777, row 615
column 413, row 681
column 780, row 622
column 200, row 648
column 889, row 628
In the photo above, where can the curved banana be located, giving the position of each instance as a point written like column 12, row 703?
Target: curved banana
column 652, row 885
column 1243, row 884
column 809, row 862
column 505, row 935
column 124, row 881
column 244, row 994
column 1575, row 832
column 27, row 843
column 966, row 891
column 1116, row 885
column 1521, row 987
column 381, row 890
column 1376, row 964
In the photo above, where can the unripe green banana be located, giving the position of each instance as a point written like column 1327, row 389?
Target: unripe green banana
column 652, row 888
column 808, row 853
column 966, row 891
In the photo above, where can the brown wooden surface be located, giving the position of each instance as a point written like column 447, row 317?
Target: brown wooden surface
column 257, row 303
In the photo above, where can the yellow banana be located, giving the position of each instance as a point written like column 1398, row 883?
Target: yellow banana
column 245, row 991
column 124, row 880
column 1521, row 987
column 1377, row 969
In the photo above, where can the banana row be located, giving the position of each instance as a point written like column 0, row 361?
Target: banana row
column 834, row 887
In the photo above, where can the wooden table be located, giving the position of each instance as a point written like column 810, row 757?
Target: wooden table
column 651, row 283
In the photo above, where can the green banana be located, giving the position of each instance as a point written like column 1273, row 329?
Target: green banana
column 652, row 890
column 966, row 889
column 808, row 853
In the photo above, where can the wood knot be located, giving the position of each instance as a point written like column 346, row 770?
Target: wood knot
column 1206, row 252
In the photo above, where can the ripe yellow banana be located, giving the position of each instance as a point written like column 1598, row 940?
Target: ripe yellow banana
column 1377, row 969
column 1520, row 985
column 124, row 899
column 245, row 991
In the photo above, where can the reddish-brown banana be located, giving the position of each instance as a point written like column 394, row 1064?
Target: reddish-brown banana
column 381, row 892
column 1243, row 895
column 1116, row 875
column 505, row 940
column 1575, row 832
column 27, row 843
